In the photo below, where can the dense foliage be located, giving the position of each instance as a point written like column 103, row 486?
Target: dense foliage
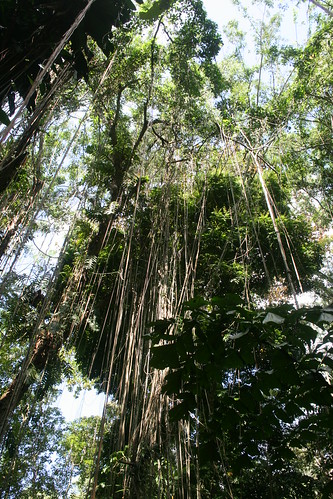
column 255, row 385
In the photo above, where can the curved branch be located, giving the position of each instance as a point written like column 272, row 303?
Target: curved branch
column 321, row 6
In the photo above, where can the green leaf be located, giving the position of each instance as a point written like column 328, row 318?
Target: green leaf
column 228, row 418
column 213, row 373
column 164, row 356
column 208, row 452
column 252, row 449
column 181, row 349
column 285, row 453
column 160, row 330
column 173, row 382
column 280, row 359
column 307, row 436
column 313, row 315
column 242, row 462
column 270, row 317
column 328, row 490
column 4, row 118
column 229, row 300
column 325, row 420
column 307, row 333
column 195, row 303
column 232, row 361
column 237, row 335
column 268, row 381
column 248, row 401
column 162, row 325
column 203, row 354
column 155, row 10
column 309, row 363
column 180, row 411
column 187, row 340
column 283, row 415
column 325, row 317
column 328, row 362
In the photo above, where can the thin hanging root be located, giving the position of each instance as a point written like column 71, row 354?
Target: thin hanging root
column 276, row 228
column 270, row 206
column 139, row 391
column 232, row 153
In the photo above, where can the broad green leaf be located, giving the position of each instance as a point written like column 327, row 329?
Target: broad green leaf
column 228, row 418
column 283, row 415
column 154, row 11
column 208, row 452
column 173, row 382
column 307, row 436
column 252, row 449
column 243, row 461
column 181, row 349
column 309, row 363
column 195, row 303
column 270, row 317
column 232, row 361
column 280, row 358
column 180, row 411
column 187, row 340
column 4, row 118
column 213, row 372
column 164, row 356
column 286, row 453
column 248, row 401
column 161, row 326
column 203, row 354
column 237, row 335
column 307, row 333
column 325, row 317
column 269, row 381
column 328, row 361
column 229, row 300
column 328, row 490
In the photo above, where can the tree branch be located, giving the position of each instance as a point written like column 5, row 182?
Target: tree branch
column 325, row 9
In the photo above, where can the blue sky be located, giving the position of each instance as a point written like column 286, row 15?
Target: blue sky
column 87, row 404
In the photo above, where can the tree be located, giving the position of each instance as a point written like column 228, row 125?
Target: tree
column 79, row 443
column 31, row 464
column 185, row 178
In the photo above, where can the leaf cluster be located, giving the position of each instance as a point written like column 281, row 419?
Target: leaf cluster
column 258, row 381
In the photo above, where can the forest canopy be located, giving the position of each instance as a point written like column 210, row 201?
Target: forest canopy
column 166, row 210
